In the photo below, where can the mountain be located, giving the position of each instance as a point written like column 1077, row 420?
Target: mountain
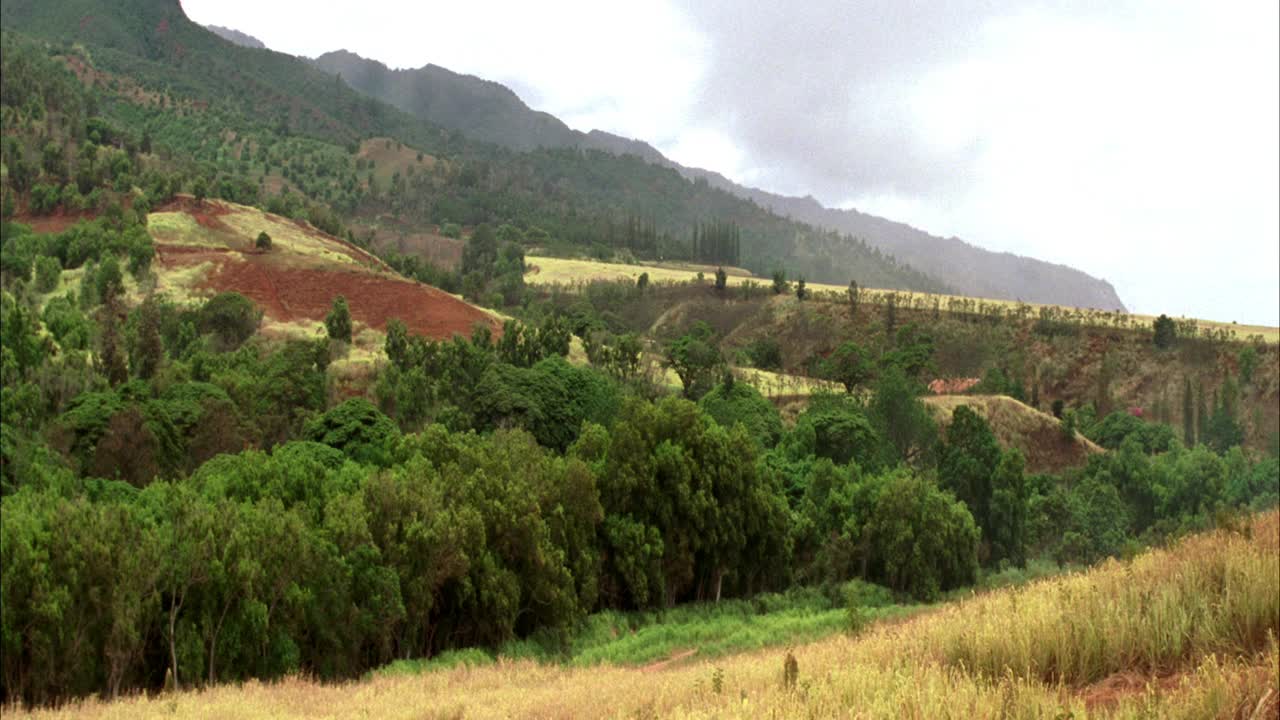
column 491, row 112
column 269, row 129
column 237, row 37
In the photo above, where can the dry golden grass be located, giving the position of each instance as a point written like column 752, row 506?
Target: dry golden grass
column 1188, row 632
column 561, row 271
column 1019, row 425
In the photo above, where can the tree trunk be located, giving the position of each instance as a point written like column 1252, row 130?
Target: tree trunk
column 213, row 642
column 719, row 582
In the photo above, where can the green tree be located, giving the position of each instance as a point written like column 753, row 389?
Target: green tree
column 110, row 355
column 48, row 271
column 231, row 317
column 150, row 353
column 722, row 279
column 397, row 344
column 695, row 359
column 108, row 281
column 801, row 291
column 358, row 429
column 1008, row 511
column 849, row 366
column 780, row 284
column 967, row 463
column 263, row 242
column 902, row 418
column 922, row 540
column 338, row 321
column 855, row 297
column 1188, row 414
column 729, row 405
column 480, row 254
column 1165, row 332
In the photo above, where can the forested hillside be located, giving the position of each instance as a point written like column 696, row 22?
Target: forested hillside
column 583, row 198
column 488, row 111
column 236, row 444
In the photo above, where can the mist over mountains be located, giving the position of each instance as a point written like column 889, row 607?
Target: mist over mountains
column 491, row 112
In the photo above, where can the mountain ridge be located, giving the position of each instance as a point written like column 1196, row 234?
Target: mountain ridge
column 432, row 93
column 237, row 37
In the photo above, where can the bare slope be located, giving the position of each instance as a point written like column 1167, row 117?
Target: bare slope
column 204, row 248
column 1016, row 425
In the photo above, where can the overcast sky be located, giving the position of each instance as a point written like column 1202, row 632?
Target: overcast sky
column 1137, row 140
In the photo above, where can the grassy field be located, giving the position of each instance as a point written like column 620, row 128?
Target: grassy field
column 570, row 272
column 1184, row 632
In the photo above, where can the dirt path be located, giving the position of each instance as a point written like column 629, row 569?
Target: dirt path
column 675, row 658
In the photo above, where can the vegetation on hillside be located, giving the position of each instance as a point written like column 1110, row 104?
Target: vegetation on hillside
column 1097, row 644
column 189, row 500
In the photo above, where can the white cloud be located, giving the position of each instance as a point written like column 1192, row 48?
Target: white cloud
column 1136, row 140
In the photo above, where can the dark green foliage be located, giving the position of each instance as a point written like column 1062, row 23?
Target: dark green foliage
column 765, row 354
column 1112, row 431
column 665, row 470
column 110, row 358
column 849, row 366
column 780, row 285
column 358, row 429
column 21, row 344
column 48, row 270
column 729, row 405
column 695, row 358
column 523, row 346
column 231, row 317
column 967, row 462
column 1165, row 332
column 150, row 347
column 619, row 356
column 263, row 242
column 902, row 419
column 721, row 279
column 108, row 282
column 1188, row 414
column 338, row 322
column 801, row 291
column 924, row 541
column 69, row 327
column 838, row 428
column 1247, row 360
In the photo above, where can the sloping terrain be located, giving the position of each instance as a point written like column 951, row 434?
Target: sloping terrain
column 1184, row 632
column 1017, row 425
column 491, row 112
column 209, row 247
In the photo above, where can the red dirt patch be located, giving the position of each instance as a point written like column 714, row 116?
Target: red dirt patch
column 55, row 223
column 287, row 294
column 1109, row 691
column 442, row 252
column 952, row 386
